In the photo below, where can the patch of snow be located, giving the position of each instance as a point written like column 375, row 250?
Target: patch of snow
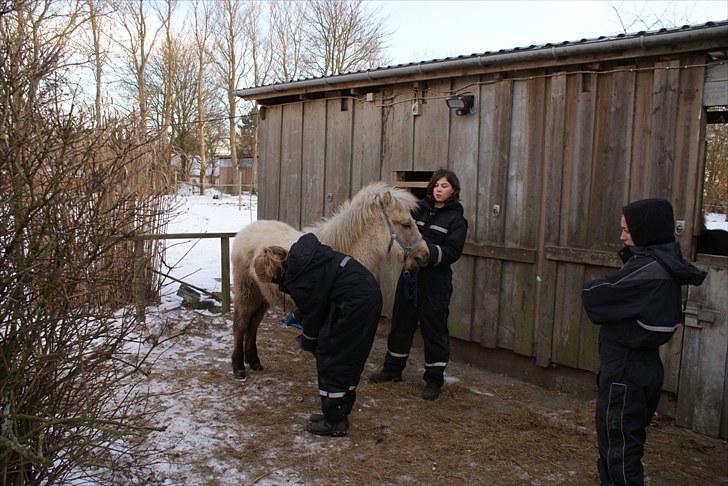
column 716, row 221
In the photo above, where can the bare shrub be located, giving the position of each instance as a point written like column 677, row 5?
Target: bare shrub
column 72, row 197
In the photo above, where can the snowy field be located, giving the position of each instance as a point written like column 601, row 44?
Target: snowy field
column 198, row 261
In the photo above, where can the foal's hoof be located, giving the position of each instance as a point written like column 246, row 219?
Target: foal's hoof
column 239, row 374
column 256, row 366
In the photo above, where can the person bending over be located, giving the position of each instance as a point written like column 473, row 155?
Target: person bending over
column 339, row 302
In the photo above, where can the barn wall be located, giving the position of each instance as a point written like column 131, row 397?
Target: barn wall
column 546, row 164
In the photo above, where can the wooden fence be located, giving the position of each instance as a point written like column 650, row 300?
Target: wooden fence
column 140, row 269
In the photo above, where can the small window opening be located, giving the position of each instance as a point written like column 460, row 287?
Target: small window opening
column 415, row 181
column 713, row 227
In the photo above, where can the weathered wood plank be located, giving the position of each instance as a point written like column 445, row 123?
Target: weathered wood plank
column 367, row 143
column 291, row 145
column 588, row 331
column 461, row 157
column 568, row 315
column 578, row 161
column 269, row 167
column 487, row 308
column 703, row 370
column 549, row 221
column 313, row 162
column 337, row 182
column 615, row 104
column 500, row 252
column 641, row 135
column 664, row 120
column 689, row 143
column 524, row 197
column 397, row 130
column 495, row 122
column 586, row 257
column 430, row 126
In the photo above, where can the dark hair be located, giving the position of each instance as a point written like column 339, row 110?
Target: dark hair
column 451, row 178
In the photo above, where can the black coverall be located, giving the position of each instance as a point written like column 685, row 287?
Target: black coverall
column 340, row 303
column 424, row 296
column 638, row 308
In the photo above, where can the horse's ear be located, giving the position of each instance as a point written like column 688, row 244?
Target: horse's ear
column 387, row 199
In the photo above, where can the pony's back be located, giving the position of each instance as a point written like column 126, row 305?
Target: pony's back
column 250, row 242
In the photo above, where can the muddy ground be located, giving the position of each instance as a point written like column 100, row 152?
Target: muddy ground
column 485, row 428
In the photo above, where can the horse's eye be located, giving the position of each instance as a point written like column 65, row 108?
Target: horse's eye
column 406, row 225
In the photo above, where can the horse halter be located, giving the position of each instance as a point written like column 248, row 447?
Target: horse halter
column 393, row 236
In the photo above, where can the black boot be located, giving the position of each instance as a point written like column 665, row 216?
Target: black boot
column 329, row 429
column 431, row 391
column 385, row 376
column 316, row 417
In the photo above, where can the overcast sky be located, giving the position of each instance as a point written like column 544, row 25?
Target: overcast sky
column 429, row 29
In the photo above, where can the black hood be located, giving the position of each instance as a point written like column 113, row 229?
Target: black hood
column 670, row 256
column 650, row 221
column 303, row 256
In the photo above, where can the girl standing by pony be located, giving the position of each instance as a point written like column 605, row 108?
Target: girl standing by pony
column 339, row 302
column 424, row 296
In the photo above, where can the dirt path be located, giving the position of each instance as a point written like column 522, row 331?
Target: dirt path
column 485, row 429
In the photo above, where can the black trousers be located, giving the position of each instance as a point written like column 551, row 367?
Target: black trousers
column 629, row 390
column 344, row 343
column 430, row 311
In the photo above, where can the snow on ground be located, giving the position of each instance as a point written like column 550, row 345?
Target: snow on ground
column 197, row 261
column 715, row 221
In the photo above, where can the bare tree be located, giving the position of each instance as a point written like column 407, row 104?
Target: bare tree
column 98, row 45
column 286, row 31
column 68, row 381
column 202, row 38
column 650, row 15
column 134, row 16
column 165, row 16
column 231, row 18
column 341, row 36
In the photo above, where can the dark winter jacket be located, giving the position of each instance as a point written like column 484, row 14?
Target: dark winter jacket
column 639, row 306
column 339, row 302
column 308, row 276
column 444, row 229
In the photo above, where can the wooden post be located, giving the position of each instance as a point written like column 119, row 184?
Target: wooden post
column 139, row 268
column 225, row 259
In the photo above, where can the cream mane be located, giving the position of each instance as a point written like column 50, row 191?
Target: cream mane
column 345, row 227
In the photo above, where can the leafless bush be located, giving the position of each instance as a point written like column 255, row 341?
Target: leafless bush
column 72, row 196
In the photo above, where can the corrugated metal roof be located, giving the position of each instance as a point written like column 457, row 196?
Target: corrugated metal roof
column 481, row 57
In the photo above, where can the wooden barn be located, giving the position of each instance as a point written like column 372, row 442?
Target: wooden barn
column 558, row 138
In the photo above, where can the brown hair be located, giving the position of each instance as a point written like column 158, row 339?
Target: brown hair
column 451, row 178
column 269, row 264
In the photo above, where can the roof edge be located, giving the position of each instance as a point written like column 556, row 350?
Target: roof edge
column 643, row 41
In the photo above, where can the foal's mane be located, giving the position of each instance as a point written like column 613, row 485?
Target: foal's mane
column 346, row 225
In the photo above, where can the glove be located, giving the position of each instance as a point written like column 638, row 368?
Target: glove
column 306, row 344
column 291, row 321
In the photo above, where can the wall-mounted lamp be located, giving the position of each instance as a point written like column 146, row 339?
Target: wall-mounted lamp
column 461, row 103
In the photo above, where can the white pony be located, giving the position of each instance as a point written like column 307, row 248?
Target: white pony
column 367, row 228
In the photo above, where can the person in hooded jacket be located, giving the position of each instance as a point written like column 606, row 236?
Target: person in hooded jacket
column 339, row 302
column 638, row 309
column 424, row 297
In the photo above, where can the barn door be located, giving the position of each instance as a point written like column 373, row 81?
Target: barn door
column 702, row 402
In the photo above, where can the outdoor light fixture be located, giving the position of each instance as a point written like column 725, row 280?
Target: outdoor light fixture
column 461, row 103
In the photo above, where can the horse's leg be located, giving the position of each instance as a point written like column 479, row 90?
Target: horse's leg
column 251, row 346
column 238, row 357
